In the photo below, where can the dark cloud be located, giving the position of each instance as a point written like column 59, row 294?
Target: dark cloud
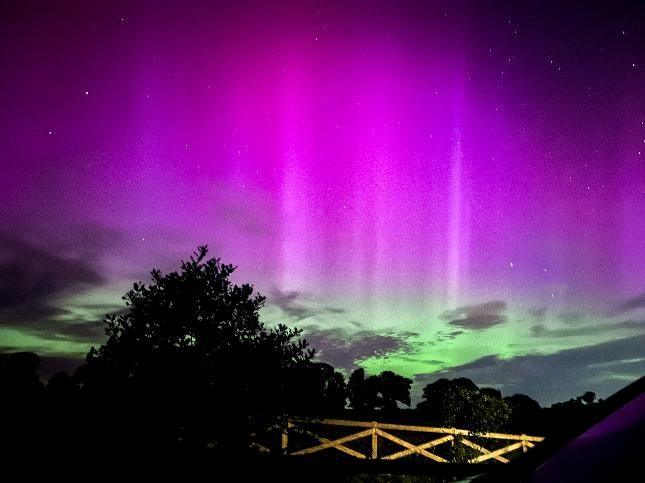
column 454, row 333
column 478, row 316
column 441, row 335
column 417, row 360
column 571, row 317
column 345, row 350
column 334, row 310
column 477, row 322
column 292, row 303
column 603, row 368
column 541, row 330
column 76, row 331
column 33, row 280
column 30, row 276
column 628, row 305
column 288, row 302
column 538, row 312
column 86, row 331
column 486, row 361
column 106, row 308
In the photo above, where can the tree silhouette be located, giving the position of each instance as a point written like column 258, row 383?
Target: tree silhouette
column 192, row 361
column 393, row 388
column 572, row 415
column 459, row 403
column 377, row 393
column 355, row 390
column 21, row 400
column 526, row 414
column 316, row 390
column 445, row 401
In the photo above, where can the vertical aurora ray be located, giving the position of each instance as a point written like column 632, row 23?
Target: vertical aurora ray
column 295, row 188
column 458, row 207
column 455, row 229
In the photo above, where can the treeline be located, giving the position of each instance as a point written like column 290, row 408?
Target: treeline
column 189, row 366
column 77, row 411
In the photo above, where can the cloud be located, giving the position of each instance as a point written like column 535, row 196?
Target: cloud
column 482, row 362
column 32, row 282
column 453, row 334
column 478, row 316
column 292, row 303
column 76, row 331
column 30, row 276
column 628, row 305
column 344, row 350
column 603, row 368
column 541, row 330
column 570, row 317
column 538, row 312
column 288, row 302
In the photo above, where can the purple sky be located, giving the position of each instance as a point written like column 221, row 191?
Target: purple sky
column 427, row 187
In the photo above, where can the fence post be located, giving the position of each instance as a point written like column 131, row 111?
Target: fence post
column 374, row 441
column 285, row 437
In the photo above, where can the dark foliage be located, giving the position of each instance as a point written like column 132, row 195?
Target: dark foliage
column 193, row 363
column 573, row 415
column 526, row 414
column 459, row 403
column 375, row 394
column 21, row 400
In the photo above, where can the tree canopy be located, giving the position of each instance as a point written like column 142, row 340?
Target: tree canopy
column 459, row 403
column 190, row 349
column 377, row 393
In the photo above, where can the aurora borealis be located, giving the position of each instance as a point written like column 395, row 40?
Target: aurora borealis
column 434, row 188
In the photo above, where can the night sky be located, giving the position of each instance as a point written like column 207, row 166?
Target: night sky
column 441, row 189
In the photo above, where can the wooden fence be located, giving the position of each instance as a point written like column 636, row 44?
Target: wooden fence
column 376, row 430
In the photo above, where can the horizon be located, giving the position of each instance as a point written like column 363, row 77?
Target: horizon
column 439, row 189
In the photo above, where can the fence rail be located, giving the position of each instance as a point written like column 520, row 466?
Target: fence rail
column 376, row 430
